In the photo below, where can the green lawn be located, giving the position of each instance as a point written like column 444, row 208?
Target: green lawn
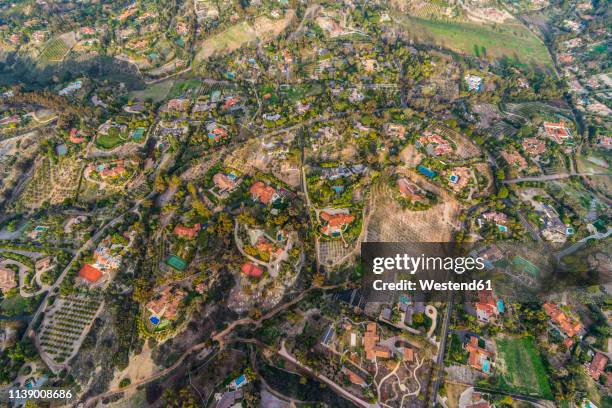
column 156, row 92
column 108, row 141
column 520, row 367
column 510, row 40
column 180, row 87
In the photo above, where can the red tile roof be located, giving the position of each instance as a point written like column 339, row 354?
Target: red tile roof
column 369, row 341
column 336, row 221
column 167, row 302
column 262, row 192
column 556, row 131
column 7, row 279
column 477, row 354
column 223, row 181
column 74, row 136
column 252, row 270
column 568, row 325
column 187, row 232
column 90, row 273
column 597, row 367
column 534, row 146
column 353, row 377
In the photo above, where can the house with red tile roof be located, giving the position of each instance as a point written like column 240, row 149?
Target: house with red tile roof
column 395, row 130
column 265, row 246
column 229, row 102
column 370, row 339
column 166, row 303
column 7, row 279
column 182, row 28
column 459, row 177
column 557, row 132
column 353, row 377
column 90, row 274
column 514, row 159
column 534, row 146
column 187, row 232
column 108, row 170
column 87, row 31
column 597, row 366
column 436, row 143
column 74, row 136
column 408, row 190
column 335, row 223
column 112, row 171
column 479, row 358
column 371, row 346
column 568, row 326
column 251, row 270
column 176, row 105
column 486, row 307
column 263, row 193
column 224, row 182
column 496, row 217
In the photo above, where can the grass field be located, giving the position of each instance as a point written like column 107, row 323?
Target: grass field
column 157, row 92
column 227, row 41
column 180, row 87
column 109, row 141
column 504, row 40
column 520, row 367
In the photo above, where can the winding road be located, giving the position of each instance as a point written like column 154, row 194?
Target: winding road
column 554, row 177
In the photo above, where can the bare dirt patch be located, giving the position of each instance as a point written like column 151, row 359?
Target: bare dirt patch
column 140, row 367
column 411, row 156
column 391, row 223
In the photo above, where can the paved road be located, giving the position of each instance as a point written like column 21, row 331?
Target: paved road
column 573, row 248
column 338, row 389
column 441, row 351
column 554, row 177
column 30, row 130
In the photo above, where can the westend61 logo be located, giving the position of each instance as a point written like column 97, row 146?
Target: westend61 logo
column 428, row 269
column 521, row 271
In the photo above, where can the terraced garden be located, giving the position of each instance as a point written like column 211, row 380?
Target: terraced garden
column 67, row 324
column 57, row 48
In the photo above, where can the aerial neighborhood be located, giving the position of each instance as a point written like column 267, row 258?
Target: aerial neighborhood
column 187, row 189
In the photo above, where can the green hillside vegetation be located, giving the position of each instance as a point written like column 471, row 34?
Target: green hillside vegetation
column 502, row 40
